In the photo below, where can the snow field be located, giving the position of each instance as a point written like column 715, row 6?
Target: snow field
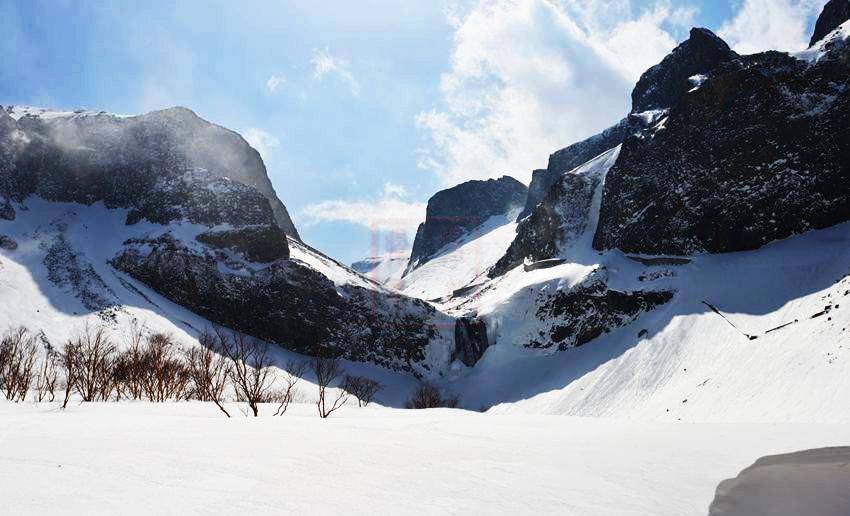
column 186, row 458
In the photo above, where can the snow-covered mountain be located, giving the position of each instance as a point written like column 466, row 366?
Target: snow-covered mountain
column 679, row 273
column 691, row 262
column 100, row 212
column 457, row 212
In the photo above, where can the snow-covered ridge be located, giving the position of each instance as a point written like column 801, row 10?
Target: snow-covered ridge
column 18, row 112
column 834, row 41
column 385, row 269
column 461, row 263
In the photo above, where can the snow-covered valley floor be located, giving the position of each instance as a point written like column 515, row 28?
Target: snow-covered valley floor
column 185, row 458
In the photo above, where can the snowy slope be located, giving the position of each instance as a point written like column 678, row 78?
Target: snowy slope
column 330, row 268
column 834, row 40
column 385, row 269
column 463, row 262
column 80, row 286
column 684, row 360
column 681, row 360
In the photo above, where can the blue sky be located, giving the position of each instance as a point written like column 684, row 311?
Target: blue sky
column 362, row 110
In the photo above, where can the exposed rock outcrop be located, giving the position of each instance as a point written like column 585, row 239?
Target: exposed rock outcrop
column 557, row 209
column 561, row 219
column 663, row 85
column 8, row 243
column 454, row 212
column 586, row 311
column 470, row 340
column 86, row 157
column 285, row 302
column 569, row 158
column 759, row 152
column 262, row 244
column 834, row 13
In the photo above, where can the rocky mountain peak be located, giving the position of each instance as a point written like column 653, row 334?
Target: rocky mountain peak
column 453, row 212
column 663, row 85
column 834, row 13
column 101, row 143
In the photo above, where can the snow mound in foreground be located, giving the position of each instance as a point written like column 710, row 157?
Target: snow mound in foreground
column 811, row 482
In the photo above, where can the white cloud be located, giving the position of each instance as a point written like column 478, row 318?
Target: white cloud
column 529, row 77
column 388, row 213
column 264, row 142
column 275, row 82
column 762, row 25
column 395, row 190
column 324, row 64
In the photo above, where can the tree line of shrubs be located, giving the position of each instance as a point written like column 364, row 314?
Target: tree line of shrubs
column 154, row 367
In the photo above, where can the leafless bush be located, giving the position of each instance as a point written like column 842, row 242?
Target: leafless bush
column 69, row 360
column 427, row 395
column 294, row 371
column 94, row 363
column 250, row 372
column 128, row 371
column 209, row 370
column 48, row 375
column 18, row 353
column 362, row 388
column 327, row 369
column 163, row 375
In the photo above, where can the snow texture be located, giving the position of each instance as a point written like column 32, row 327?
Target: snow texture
column 185, row 458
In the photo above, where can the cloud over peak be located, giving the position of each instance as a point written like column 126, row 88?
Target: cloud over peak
column 761, row 25
column 529, row 77
column 388, row 212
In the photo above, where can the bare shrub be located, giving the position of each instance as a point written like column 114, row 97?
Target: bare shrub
column 47, row 377
column 250, row 372
column 362, row 388
column 427, row 395
column 18, row 353
column 163, row 375
column 294, row 371
column 69, row 359
column 94, row 362
column 327, row 369
column 128, row 371
column 209, row 371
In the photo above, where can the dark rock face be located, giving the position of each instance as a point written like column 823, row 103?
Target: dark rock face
column 569, row 158
column 7, row 211
column 834, row 13
column 128, row 162
column 665, row 83
column 454, row 212
column 262, row 244
column 8, row 243
column 590, row 309
column 560, row 220
column 470, row 340
column 558, row 203
column 285, row 302
column 759, row 152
